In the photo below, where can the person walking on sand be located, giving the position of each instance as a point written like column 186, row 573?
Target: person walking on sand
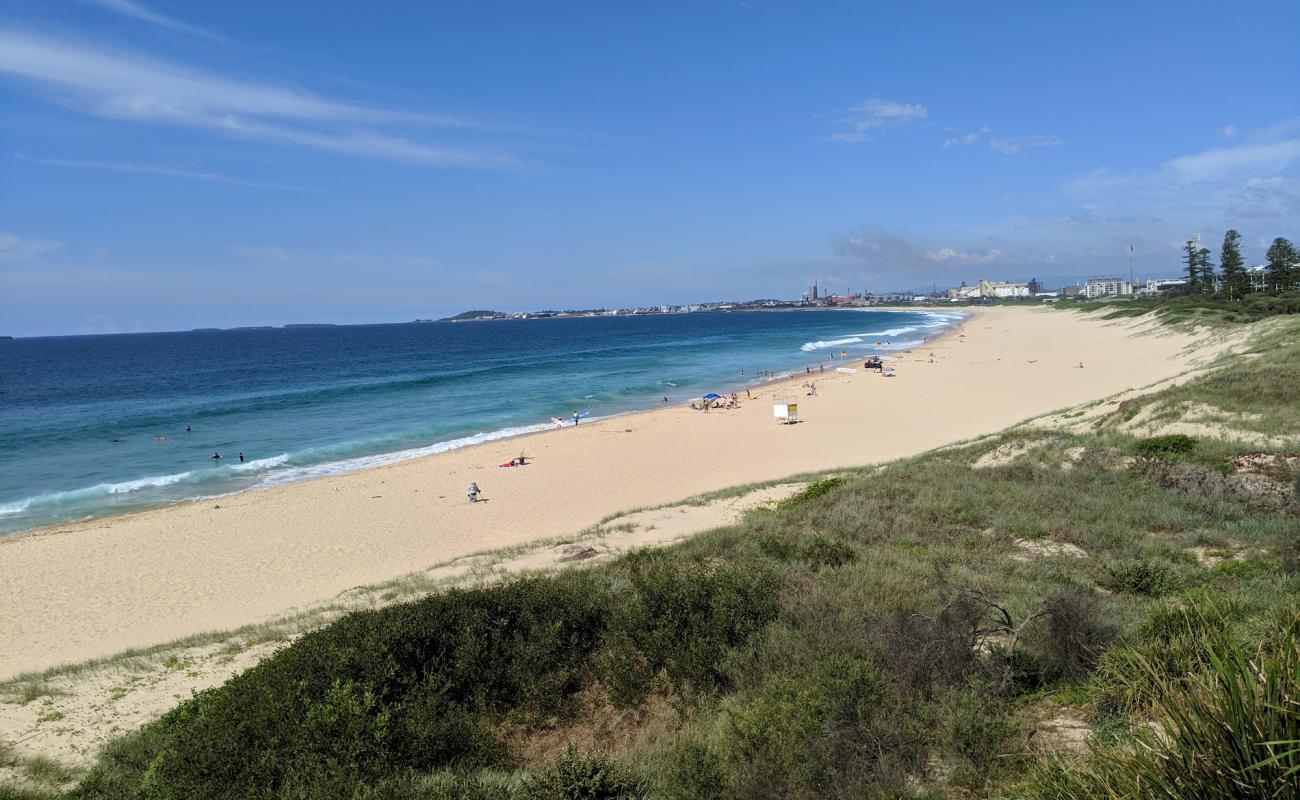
column 473, row 492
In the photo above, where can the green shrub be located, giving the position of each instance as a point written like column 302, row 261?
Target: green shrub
column 378, row 691
column 1230, row 729
column 680, row 618
column 1146, row 578
column 822, row 551
column 772, row 737
column 584, row 777
column 1173, row 642
column 983, row 731
column 694, row 772
column 1172, row 447
column 811, row 492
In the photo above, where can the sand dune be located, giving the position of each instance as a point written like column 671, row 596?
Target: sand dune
column 94, row 588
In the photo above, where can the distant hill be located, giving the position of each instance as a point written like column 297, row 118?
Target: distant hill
column 466, row 316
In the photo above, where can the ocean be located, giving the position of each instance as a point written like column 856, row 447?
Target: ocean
column 96, row 425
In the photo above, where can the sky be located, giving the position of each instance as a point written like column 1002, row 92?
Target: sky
column 167, row 165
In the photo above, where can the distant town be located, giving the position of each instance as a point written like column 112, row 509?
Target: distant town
column 816, row 296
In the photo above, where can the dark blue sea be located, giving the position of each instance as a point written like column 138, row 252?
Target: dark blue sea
column 94, row 425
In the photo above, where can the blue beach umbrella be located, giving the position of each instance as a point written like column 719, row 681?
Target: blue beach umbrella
column 712, row 396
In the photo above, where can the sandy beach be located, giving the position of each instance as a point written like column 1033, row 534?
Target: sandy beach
column 94, row 588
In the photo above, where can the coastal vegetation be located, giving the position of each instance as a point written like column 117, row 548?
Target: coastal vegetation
column 1095, row 605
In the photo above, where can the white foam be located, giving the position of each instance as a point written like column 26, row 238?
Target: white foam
column 325, row 469
column 99, row 489
column 260, row 463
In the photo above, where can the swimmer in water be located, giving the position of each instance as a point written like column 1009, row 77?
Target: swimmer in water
column 216, row 455
column 241, row 457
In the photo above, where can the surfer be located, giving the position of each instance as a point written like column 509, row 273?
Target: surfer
column 241, row 457
column 188, row 429
column 216, row 456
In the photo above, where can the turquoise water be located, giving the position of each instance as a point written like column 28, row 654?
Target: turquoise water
column 93, row 425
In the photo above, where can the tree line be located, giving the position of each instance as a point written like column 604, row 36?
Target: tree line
column 1232, row 280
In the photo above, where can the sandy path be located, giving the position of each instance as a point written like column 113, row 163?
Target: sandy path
column 95, row 588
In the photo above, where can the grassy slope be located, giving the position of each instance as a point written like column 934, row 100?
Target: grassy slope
column 890, row 633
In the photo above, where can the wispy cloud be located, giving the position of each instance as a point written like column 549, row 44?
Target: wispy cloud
column 1228, row 132
column 151, row 169
column 128, row 86
column 968, row 139
column 131, row 9
column 872, row 115
column 949, row 254
column 1012, row 146
column 18, row 248
column 1226, row 162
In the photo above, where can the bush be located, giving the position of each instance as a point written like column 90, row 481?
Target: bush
column 1173, row 447
column 1174, row 642
column 983, row 732
column 1228, row 730
column 694, row 772
column 584, row 777
column 1078, row 632
column 1147, row 578
column 681, row 619
column 376, row 692
column 925, row 653
column 823, row 551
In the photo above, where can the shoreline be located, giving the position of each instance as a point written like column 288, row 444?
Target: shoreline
column 344, row 466
column 96, row 587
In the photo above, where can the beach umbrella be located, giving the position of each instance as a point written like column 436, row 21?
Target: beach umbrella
column 712, row 396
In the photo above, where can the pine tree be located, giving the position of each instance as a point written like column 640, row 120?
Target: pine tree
column 1192, row 263
column 1236, row 284
column 1206, row 270
column 1282, row 266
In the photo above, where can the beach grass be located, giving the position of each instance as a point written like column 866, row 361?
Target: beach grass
column 1035, row 614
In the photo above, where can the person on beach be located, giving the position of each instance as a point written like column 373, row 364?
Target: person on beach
column 747, row 395
column 473, row 492
column 241, row 456
column 575, row 418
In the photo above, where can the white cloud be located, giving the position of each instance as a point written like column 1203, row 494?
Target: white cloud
column 1228, row 162
column 1012, row 146
column 127, row 86
column 137, row 11
column 969, row 138
column 1267, row 198
column 16, row 248
column 874, row 115
column 1228, row 132
column 151, row 169
column 949, row 254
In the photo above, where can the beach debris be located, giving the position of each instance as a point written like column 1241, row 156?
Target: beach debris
column 578, row 552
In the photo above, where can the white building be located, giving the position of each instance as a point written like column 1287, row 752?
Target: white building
column 1152, row 287
column 989, row 289
column 1106, row 287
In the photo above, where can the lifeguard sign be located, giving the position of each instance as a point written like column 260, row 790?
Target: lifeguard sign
column 786, row 413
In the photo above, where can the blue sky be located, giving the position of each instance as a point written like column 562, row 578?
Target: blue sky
column 168, row 165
